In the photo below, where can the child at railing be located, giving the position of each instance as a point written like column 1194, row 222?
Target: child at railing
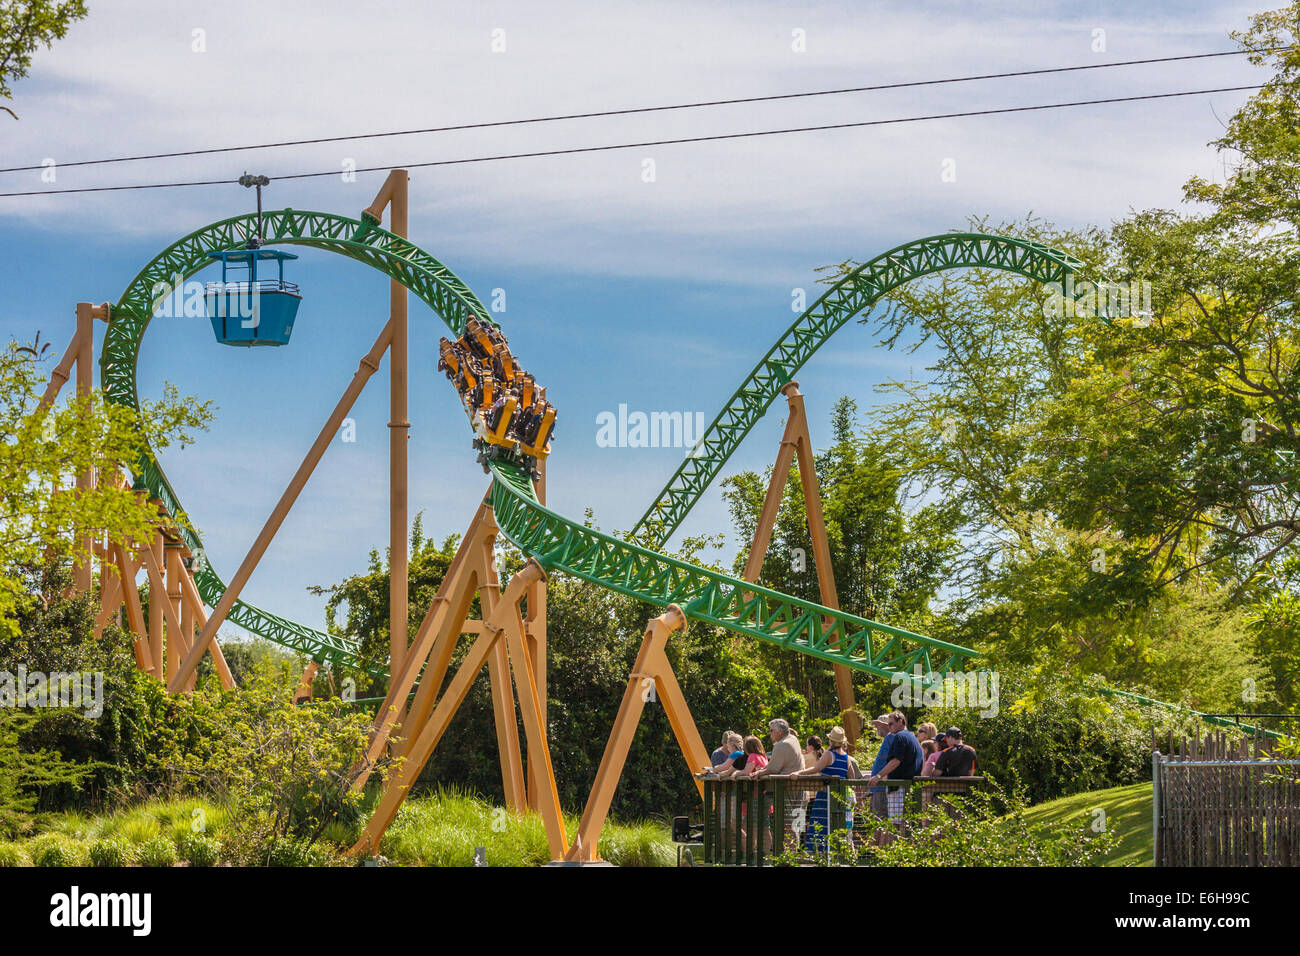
column 755, row 756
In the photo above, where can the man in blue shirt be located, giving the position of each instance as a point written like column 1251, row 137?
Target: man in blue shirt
column 904, row 760
column 881, row 725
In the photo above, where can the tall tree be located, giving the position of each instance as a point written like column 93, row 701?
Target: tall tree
column 1194, row 414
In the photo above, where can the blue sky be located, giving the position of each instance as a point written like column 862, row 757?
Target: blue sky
column 660, row 295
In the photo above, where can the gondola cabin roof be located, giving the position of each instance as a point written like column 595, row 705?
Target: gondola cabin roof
column 246, row 255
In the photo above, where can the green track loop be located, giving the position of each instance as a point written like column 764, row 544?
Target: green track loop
column 851, row 296
column 559, row 543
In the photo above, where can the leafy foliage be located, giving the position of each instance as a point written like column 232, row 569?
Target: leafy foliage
column 992, row 830
column 109, row 852
column 26, row 25
column 43, row 451
column 1055, row 734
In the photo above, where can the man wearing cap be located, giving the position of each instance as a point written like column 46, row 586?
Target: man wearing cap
column 881, row 726
column 959, row 759
column 903, row 763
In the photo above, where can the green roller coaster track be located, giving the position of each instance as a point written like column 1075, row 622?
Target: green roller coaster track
column 857, row 292
column 555, row 541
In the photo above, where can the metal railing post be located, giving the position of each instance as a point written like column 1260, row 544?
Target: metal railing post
column 1155, row 808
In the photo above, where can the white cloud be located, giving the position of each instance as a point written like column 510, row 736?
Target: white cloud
column 127, row 81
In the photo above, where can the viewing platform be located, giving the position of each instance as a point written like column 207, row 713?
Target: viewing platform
column 808, row 820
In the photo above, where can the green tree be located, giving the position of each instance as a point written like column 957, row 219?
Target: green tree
column 41, row 454
column 1195, row 413
column 26, row 25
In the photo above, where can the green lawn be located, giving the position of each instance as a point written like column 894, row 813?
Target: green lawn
column 1128, row 816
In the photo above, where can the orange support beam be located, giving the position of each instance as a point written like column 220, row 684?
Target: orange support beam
column 177, row 643
column 505, row 623
column 434, row 641
column 194, row 602
column 157, row 603
column 127, row 570
column 796, row 441
column 369, row 363
column 393, row 195
column 652, row 669
column 535, row 634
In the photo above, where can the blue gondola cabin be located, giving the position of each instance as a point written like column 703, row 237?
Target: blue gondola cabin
column 247, row 309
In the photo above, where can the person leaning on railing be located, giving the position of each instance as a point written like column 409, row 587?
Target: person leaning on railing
column 812, row 751
column 903, row 763
column 731, row 742
column 879, row 800
column 786, row 757
column 959, row 759
column 834, row 762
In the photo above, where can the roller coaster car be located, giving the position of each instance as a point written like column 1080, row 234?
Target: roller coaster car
column 251, row 311
column 499, row 419
column 511, row 419
column 480, row 339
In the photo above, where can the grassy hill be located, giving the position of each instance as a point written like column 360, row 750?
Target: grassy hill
column 1128, row 816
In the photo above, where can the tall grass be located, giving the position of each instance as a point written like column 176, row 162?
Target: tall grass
column 441, row 829
column 169, row 818
column 445, row 828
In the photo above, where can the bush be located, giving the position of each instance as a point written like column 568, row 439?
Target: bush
column 52, row 849
column 11, row 854
column 253, row 840
column 984, row 836
column 157, row 851
column 444, row 829
column 1055, row 734
column 289, row 851
column 636, row 844
column 110, row 852
column 198, row 849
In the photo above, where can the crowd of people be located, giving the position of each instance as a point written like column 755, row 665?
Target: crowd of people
column 508, row 410
column 901, row 755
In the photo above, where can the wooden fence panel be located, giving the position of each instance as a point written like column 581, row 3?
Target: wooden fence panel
column 1221, row 802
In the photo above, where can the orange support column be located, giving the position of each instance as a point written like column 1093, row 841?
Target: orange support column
column 503, row 701
column 177, row 642
column 110, row 589
column 652, row 670
column 187, row 623
column 153, row 555
column 535, row 637
column 85, row 341
column 394, row 195
column 796, row 441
